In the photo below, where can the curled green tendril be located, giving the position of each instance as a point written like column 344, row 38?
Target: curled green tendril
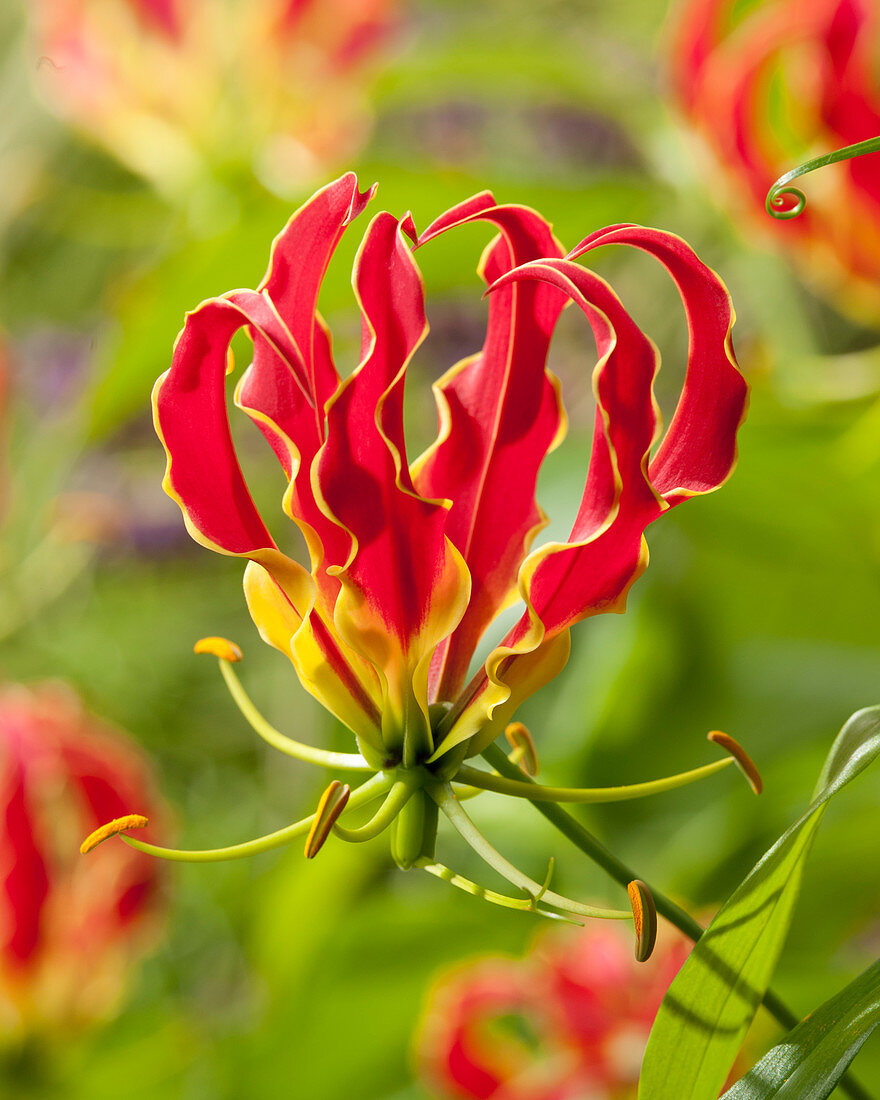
column 780, row 190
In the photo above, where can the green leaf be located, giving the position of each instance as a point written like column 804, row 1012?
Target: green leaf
column 711, row 1003
column 814, row 1056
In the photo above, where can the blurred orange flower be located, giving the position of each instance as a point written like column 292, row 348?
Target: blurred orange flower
column 69, row 928
column 170, row 86
column 568, row 1022
column 771, row 85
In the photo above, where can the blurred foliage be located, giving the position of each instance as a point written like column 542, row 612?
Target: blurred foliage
column 758, row 614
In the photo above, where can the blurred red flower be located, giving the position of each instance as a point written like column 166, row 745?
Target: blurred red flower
column 568, row 1022
column 69, row 927
column 169, row 86
column 771, row 85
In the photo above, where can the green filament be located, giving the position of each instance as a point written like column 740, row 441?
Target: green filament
column 536, row 793
column 367, row 792
column 397, row 798
column 529, row 905
column 448, row 803
column 347, row 760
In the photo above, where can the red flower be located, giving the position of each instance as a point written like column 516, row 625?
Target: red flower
column 769, row 86
column 68, row 928
column 568, row 1022
column 412, row 561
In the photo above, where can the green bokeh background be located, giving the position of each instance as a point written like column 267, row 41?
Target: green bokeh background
column 758, row 615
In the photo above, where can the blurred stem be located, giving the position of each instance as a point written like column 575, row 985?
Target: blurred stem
column 618, row 870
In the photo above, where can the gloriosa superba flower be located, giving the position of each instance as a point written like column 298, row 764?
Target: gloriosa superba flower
column 411, row 561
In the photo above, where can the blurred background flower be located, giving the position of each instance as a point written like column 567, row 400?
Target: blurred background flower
column 568, row 1022
column 769, row 85
column 183, row 89
column 70, row 927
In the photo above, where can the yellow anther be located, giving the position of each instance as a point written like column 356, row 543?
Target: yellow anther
column 524, row 754
column 218, row 647
column 333, row 802
column 743, row 761
column 112, row 828
column 644, row 918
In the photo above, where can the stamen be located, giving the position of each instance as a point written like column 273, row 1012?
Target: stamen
column 469, row 887
column 219, row 647
column 448, row 803
column 397, row 798
column 524, row 754
column 551, row 867
column 333, row 802
column 112, row 828
column 644, row 918
column 740, row 757
column 536, row 792
column 308, row 753
column 779, row 191
column 365, row 793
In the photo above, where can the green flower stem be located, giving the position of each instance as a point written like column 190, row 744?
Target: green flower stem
column 537, row 793
column 529, row 905
column 683, row 921
column 773, row 202
column 445, row 798
column 367, row 792
column 347, row 760
column 397, row 798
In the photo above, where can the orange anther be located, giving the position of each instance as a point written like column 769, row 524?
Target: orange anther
column 644, row 918
column 524, row 754
column 333, row 802
column 743, row 761
column 112, row 828
column 218, row 647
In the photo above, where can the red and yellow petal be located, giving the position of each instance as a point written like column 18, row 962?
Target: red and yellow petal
column 500, row 413
column 592, row 572
column 404, row 586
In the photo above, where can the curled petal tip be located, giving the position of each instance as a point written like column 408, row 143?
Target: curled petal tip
column 644, row 918
column 333, row 802
column 219, row 647
column 742, row 759
column 112, row 828
column 524, row 754
column 408, row 226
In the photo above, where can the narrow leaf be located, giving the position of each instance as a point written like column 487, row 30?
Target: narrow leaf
column 813, row 1057
column 710, row 1005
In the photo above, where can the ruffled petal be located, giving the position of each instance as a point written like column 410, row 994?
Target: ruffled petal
column 606, row 551
column 500, row 413
column 203, row 474
column 293, row 418
column 404, row 585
